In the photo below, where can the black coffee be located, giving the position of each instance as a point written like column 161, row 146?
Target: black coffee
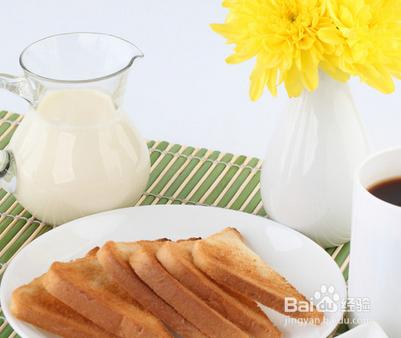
column 389, row 191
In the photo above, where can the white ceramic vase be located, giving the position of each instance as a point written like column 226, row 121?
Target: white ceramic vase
column 307, row 176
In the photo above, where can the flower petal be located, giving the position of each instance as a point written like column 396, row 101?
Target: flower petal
column 258, row 81
column 346, row 16
column 272, row 81
column 309, row 71
column 332, row 69
column 378, row 78
column 292, row 82
column 330, row 35
column 306, row 42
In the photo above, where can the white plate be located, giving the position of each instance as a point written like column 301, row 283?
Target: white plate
column 306, row 265
column 368, row 330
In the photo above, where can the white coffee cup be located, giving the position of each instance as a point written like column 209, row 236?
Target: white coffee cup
column 375, row 258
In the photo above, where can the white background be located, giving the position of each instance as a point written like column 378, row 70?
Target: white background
column 182, row 90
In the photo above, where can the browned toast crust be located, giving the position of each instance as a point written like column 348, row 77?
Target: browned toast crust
column 198, row 287
column 176, row 258
column 33, row 304
column 116, row 263
column 220, row 256
column 190, row 306
column 84, row 286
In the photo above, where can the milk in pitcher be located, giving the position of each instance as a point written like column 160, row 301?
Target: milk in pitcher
column 79, row 149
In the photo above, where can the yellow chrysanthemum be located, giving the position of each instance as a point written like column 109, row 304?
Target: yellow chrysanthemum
column 369, row 44
column 284, row 36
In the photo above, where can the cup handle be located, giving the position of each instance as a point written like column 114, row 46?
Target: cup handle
column 8, row 170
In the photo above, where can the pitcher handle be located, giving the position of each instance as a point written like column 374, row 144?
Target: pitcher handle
column 18, row 85
column 8, row 170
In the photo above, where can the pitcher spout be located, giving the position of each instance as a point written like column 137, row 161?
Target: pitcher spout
column 136, row 53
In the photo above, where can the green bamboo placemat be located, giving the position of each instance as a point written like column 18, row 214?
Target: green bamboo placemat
column 179, row 175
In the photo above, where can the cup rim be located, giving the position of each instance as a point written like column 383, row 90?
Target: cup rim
column 100, row 78
column 364, row 163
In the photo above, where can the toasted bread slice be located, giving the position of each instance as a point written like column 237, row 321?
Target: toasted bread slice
column 114, row 257
column 176, row 258
column 190, row 306
column 33, row 304
column 225, row 258
column 85, row 287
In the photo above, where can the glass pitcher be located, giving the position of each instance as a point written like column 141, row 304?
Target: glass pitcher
column 75, row 152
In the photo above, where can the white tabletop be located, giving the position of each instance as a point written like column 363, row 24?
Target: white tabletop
column 182, row 91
